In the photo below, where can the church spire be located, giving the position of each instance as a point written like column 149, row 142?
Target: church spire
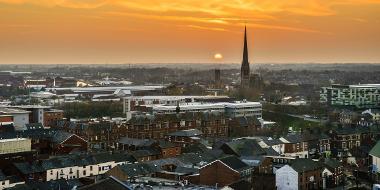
column 245, row 52
column 245, row 71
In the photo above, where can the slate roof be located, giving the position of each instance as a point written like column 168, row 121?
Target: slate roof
column 245, row 147
column 166, row 144
column 375, row 151
column 271, row 152
column 136, row 142
column 144, row 153
column 304, row 164
column 332, row 163
column 293, row 138
column 167, row 161
column 186, row 133
column 60, row 136
column 234, row 163
column 109, row 183
column 117, row 157
column 271, row 142
column 196, row 158
column 138, row 169
column 61, row 184
column 26, row 168
column 186, row 170
column 196, row 147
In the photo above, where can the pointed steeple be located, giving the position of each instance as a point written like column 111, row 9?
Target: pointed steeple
column 245, row 71
column 245, row 52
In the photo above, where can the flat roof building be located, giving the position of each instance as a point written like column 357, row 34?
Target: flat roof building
column 231, row 109
column 361, row 95
column 20, row 117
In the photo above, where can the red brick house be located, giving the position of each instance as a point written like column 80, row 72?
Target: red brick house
column 52, row 116
column 158, row 125
column 224, row 171
column 64, row 143
column 169, row 149
column 184, row 137
column 243, row 126
column 295, row 146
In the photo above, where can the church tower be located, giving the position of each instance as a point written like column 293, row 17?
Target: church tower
column 245, row 72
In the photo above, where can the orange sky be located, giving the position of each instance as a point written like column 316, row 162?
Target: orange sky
column 188, row 31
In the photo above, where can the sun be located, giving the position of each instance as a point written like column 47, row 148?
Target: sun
column 218, row 56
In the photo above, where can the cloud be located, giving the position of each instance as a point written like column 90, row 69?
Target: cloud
column 287, row 28
column 170, row 18
column 75, row 4
column 268, row 14
column 82, row 4
column 205, row 28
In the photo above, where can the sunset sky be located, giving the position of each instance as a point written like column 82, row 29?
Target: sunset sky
column 188, row 31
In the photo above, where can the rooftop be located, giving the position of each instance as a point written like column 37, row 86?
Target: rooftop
column 234, row 163
column 304, row 164
column 174, row 97
column 375, row 151
column 108, row 183
column 203, row 106
column 186, row 133
column 5, row 110
column 108, row 88
column 13, row 139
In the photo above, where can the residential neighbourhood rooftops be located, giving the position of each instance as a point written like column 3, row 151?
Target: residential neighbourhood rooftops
column 71, row 160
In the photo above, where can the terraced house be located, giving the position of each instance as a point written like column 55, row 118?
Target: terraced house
column 211, row 124
column 72, row 166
